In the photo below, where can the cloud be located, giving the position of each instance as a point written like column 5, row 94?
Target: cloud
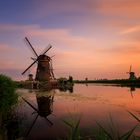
column 69, row 49
column 62, row 37
column 75, row 55
column 15, row 27
column 6, row 63
column 63, row 7
column 4, row 48
column 130, row 30
column 120, row 8
column 131, row 33
column 11, row 72
column 5, row 56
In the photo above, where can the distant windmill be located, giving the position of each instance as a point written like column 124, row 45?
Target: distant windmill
column 44, row 70
column 131, row 74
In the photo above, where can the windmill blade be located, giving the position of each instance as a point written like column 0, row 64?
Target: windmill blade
column 30, row 66
column 49, row 121
column 52, row 56
column 30, row 104
column 33, row 58
column 31, row 47
column 47, row 49
column 31, row 126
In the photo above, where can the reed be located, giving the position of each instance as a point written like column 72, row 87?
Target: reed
column 100, row 132
column 74, row 131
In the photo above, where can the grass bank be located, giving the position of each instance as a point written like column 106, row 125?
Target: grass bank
column 8, row 99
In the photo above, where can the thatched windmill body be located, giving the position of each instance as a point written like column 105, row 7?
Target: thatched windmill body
column 44, row 70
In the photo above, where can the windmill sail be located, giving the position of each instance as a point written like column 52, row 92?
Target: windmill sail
column 31, row 46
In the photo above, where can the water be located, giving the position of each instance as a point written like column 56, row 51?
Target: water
column 93, row 103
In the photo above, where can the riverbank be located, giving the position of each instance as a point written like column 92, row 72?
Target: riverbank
column 121, row 82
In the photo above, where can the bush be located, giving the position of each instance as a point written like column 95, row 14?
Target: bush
column 8, row 97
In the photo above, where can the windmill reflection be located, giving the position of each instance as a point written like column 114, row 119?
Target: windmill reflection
column 65, row 89
column 132, row 89
column 45, row 104
column 45, row 108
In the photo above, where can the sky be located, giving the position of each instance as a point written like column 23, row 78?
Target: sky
column 90, row 38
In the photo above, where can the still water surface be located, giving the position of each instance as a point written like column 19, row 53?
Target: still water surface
column 93, row 103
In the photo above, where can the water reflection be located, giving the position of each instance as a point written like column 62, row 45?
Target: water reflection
column 94, row 102
column 65, row 89
column 132, row 89
column 45, row 104
column 45, row 107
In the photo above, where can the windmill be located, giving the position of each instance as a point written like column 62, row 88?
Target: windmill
column 131, row 74
column 44, row 70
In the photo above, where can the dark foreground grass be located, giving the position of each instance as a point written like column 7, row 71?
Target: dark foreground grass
column 74, row 131
column 8, row 99
column 100, row 133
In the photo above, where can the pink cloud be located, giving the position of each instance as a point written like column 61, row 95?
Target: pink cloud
column 125, row 8
column 4, row 48
column 130, row 30
column 16, row 27
column 75, row 55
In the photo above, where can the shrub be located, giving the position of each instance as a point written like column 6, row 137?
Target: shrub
column 8, row 97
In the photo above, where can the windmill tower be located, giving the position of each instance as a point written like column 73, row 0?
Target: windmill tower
column 44, row 70
column 131, row 74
